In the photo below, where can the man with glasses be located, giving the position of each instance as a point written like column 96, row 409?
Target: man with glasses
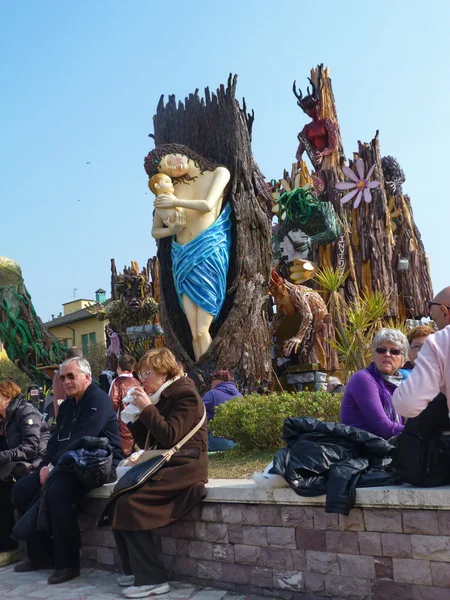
column 431, row 374
column 440, row 308
column 87, row 411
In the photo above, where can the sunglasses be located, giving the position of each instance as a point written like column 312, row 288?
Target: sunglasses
column 391, row 351
column 431, row 303
column 69, row 376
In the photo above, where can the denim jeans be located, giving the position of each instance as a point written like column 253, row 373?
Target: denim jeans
column 217, row 444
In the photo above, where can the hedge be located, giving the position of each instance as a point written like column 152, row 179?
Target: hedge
column 256, row 421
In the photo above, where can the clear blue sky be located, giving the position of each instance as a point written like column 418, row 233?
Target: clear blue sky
column 80, row 81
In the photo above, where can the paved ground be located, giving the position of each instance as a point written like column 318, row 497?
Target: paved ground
column 94, row 584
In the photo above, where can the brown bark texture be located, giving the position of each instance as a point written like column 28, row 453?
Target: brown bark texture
column 370, row 247
column 217, row 128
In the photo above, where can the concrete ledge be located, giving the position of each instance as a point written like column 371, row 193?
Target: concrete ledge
column 246, row 491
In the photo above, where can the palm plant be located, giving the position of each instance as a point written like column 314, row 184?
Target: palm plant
column 356, row 323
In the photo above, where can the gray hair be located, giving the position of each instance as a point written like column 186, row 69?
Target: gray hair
column 334, row 381
column 82, row 364
column 391, row 336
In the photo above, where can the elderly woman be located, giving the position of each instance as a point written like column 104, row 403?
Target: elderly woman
column 23, row 439
column 171, row 408
column 367, row 402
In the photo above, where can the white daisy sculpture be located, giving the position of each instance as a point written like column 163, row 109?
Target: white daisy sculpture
column 360, row 185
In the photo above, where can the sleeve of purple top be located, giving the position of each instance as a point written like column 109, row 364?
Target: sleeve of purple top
column 208, row 401
column 366, row 395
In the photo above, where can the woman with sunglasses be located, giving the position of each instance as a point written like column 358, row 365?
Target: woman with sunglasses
column 367, row 402
column 171, row 408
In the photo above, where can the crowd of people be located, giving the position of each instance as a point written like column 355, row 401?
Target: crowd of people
column 38, row 474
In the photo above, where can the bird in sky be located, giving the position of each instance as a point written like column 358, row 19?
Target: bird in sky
column 88, row 163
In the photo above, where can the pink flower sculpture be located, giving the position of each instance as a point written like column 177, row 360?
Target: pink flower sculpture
column 360, row 186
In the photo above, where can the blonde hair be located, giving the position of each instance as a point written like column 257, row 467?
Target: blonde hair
column 156, row 179
column 9, row 389
column 162, row 361
column 419, row 331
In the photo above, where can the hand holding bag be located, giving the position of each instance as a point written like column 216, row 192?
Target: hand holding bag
column 143, row 471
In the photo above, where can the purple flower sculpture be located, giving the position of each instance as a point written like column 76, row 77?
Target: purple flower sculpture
column 359, row 184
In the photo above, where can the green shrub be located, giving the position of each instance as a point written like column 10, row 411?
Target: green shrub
column 8, row 370
column 256, row 421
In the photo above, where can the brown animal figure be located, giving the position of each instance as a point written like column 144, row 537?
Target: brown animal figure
column 309, row 306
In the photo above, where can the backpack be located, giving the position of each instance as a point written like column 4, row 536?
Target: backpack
column 422, row 455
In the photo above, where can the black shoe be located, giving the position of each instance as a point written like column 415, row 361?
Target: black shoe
column 62, row 575
column 27, row 566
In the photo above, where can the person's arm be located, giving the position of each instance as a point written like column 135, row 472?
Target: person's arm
column 139, row 432
column 167, row 431
column 30, row 429
column 364, row 391
column 208, row 401
column 220, row 180
column 115, row 394
column 427, row 378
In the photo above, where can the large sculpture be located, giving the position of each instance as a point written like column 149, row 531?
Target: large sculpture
column 319, row 137
column 201, row 234
column 132, row 304
column 233, row 194
column 28, row 343
column 307, row 304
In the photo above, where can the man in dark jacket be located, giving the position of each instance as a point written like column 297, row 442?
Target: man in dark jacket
column 222, row 390
column 86, row 412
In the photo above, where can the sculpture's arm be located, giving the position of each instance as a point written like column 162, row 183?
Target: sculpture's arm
column 332, row 131
column 159, row 231
column 221, row 178
column 301, row 147
column 303, row 309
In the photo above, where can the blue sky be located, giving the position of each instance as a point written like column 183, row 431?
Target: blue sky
column 81, row 79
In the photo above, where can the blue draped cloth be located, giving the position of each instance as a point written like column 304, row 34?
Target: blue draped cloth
column 200, row 267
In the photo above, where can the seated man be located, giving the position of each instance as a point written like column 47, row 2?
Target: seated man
column 222, row 390
column 86, row 412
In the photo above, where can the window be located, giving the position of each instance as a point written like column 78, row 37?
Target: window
column 85, row 343
column 87, row 339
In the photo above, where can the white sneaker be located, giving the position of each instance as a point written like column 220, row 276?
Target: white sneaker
column 142, row 591
column 125, row 580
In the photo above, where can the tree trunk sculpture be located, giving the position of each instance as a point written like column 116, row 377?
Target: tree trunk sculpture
column 218, row 129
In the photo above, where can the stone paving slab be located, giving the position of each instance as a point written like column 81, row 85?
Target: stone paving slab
column 95, row 584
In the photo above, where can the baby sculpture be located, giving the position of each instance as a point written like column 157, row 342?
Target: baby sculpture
column 201, row 233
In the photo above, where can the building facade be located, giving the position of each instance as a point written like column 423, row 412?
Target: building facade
column 76, row 326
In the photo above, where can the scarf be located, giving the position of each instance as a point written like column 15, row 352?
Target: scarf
column 155, row 397
column 382, row 379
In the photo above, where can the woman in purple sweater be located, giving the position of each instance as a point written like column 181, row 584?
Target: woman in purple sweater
column 367, row 402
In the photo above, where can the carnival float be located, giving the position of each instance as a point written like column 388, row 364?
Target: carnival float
column 236, row 282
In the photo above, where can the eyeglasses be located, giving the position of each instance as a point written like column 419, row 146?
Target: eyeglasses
column 431, row 303
column 416, row 346
column 69, row 376
column 60, row 437
column 145, row 374
column 391, row 351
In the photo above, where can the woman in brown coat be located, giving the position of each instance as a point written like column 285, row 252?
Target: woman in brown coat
column 171, row 407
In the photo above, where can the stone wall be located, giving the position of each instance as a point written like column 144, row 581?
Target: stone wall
column 299, row 551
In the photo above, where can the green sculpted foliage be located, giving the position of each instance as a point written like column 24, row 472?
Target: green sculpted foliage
column 27, row 342
column 256, row 421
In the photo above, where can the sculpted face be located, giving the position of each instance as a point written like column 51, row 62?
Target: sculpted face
column 174, row 165
column 165, row 184
column 133, row 289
